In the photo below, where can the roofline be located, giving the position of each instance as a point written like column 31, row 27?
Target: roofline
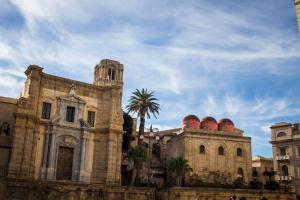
column 8, row 100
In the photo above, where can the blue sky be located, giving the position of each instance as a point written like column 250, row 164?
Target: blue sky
column 235, row 59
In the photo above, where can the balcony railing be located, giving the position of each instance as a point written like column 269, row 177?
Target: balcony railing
column 286, row 157
column 284, row 178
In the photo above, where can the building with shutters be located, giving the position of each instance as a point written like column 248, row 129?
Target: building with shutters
column 62, row 129
column 286, row 154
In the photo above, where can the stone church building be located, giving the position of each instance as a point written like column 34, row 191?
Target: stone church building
column 62, row 129
column 216, row 151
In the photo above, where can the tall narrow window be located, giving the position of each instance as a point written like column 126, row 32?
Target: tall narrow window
column 284, row 170
column 113, row 74
column 4, row 129
column 202, row 149
column 240, row 173
column 46, row 111
column 70, row 114
column 282, row 151
column 91, row 118
column 239, row 152
column 221, row 151
column 109, row 74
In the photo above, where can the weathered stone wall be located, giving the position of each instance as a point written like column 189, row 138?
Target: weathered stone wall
column 104, row 147
column 8, row 107
column 224, row 194
column 188, row 143
column 71, row 191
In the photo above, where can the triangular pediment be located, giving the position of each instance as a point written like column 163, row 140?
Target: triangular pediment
column 73, row 98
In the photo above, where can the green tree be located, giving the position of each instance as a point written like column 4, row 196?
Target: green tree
column 179, row 166
column 138, row 156
column 143, row 103
column 127, row 128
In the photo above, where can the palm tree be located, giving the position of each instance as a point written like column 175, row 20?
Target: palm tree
column 143, row 103
column 179, row 165
column 138, row 156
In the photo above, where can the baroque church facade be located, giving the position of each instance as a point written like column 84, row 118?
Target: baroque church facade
column 62, row 129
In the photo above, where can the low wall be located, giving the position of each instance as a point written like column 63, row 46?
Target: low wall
column 224, row 194
column 26, row 190
column 16, row 190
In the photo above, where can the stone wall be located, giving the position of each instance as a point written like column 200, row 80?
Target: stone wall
column 8, row 107
column 71, row 191
column 30, row 190
column 223, row 194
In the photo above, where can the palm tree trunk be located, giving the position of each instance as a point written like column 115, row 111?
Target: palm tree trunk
column 178, row 181
column 138, row 176
column 133, row 177
column 142, row 126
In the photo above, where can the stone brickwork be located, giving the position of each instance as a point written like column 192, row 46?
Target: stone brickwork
column 37, row 190
column 224, row 194
column 38, row 141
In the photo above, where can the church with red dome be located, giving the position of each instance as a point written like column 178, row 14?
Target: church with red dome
column 215, row 149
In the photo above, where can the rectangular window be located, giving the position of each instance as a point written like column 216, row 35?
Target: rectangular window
column 46, row 111
column 298, row 151
column 282, row 151
column 91, row 118
column 70, row 114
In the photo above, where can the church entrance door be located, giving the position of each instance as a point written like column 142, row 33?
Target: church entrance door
column 64, row 163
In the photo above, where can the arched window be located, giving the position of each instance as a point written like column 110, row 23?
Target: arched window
column 156, row 150
column 4, row 129
column 221, row 151
column 239, row 152
column 281, row 134
column 284, row 170
column 202, row 149
column 240, row 173
column 254, row 172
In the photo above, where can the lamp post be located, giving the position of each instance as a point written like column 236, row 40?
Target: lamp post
column 151, row 134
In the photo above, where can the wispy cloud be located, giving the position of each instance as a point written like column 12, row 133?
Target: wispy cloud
column 226, row 59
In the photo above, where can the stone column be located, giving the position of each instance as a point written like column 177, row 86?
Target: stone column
column 45, row 154
column 52, row 152
column 82, row 173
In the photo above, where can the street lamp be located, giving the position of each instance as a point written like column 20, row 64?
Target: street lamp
column 151, row 134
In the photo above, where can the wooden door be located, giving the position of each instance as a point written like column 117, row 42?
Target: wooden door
column 64, row 163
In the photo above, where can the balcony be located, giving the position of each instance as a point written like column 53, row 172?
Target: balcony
column 284, row 178
column 283, row 158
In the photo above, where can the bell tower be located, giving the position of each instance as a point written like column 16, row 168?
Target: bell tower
column 108, row 72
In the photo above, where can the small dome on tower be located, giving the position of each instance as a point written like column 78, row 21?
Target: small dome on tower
column 226, row 125
column 209, row 123
column 191, row 121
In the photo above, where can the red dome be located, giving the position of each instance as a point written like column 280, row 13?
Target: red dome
column 226, row 125
column 191, row 121
column 209, row 123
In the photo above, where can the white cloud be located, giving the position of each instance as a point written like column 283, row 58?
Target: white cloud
column 191, row 54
